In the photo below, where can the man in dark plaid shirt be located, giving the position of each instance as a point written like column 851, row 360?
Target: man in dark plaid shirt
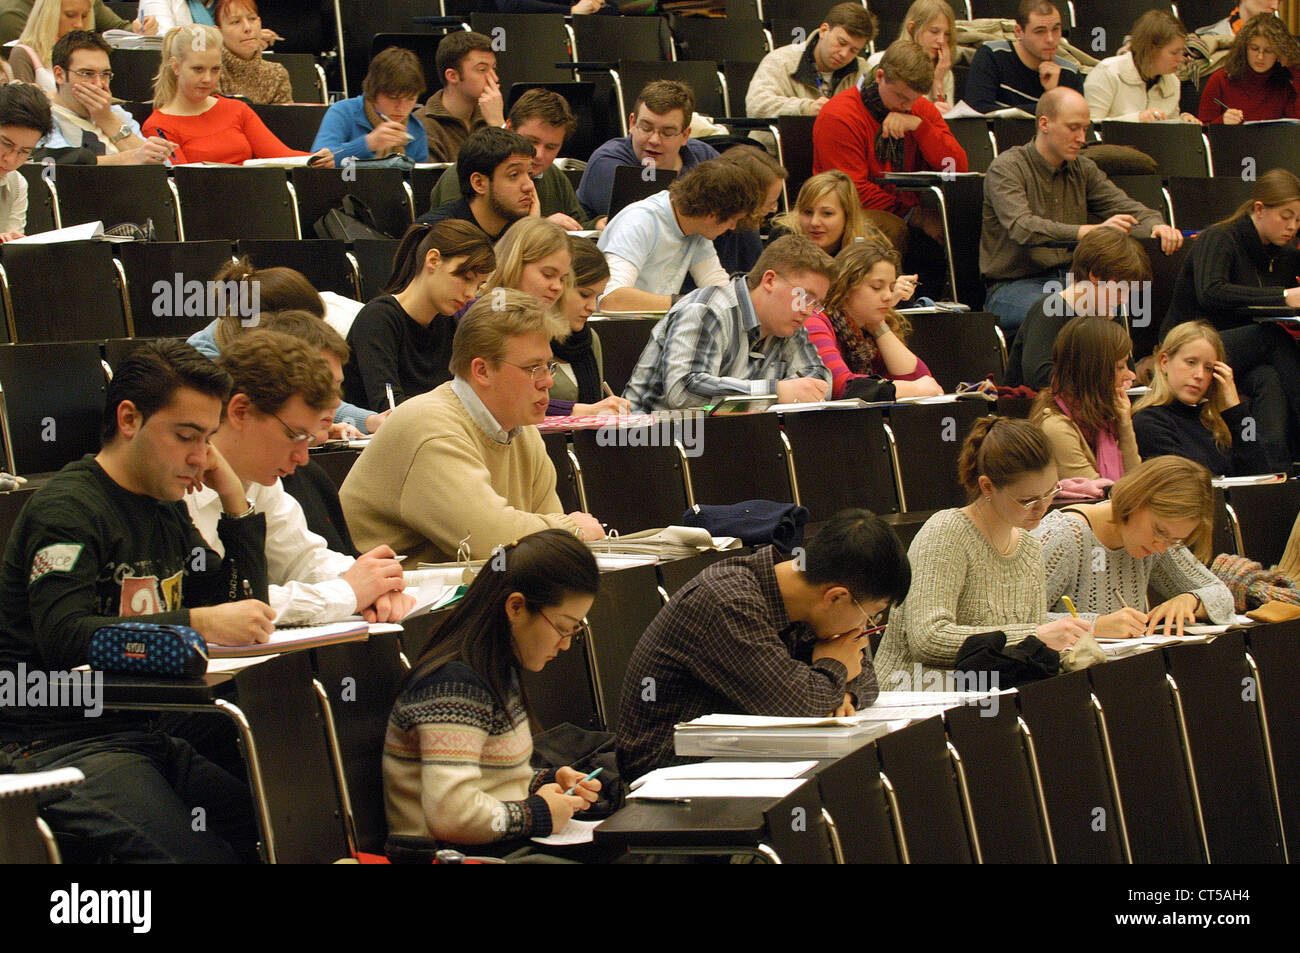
column 756, row 636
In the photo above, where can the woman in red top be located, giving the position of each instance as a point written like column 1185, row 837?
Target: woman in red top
column 1258, row 79
column 206, row 127
column 860, row 334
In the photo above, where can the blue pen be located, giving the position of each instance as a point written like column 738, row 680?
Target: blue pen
column 587, row 778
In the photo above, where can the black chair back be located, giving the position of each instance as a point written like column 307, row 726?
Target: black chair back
column 621, row 342
column 171, row 314
column 627, row 603
column 384, row 191
column 1149, row 763
column 114, row 194
column 47, row 427
column 915, row 759
column 957, row 347
column 741, row 458
column 294, row 124
column 325, row 263
column 45, row 306
column 657, row 497
column 265, row 208
column 1072, row 760
column 929, row 439
column 841, row 458
column 852, row 793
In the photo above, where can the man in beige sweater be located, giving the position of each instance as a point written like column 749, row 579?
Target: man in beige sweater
column 465, row 459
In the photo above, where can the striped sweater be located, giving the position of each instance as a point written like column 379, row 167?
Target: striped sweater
column 456, row 765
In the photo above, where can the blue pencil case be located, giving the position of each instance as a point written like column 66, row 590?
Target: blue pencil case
column 148, row 648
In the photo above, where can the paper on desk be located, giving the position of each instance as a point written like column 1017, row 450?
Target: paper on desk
column 715, row 787
column 219, row 665
column 606, row 562
column 575, row 832
column 911, row 699
column 717, row 770
column 765, row 721
column 29, row 782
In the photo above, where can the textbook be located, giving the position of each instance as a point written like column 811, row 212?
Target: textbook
column 87, row 231
column 758, row 737
column 671, row 542
column 292, row 639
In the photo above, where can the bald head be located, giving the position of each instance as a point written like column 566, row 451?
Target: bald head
column 1054, row 101
column 1062, row 125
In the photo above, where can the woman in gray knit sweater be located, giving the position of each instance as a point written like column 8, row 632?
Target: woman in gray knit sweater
column 1158, row 520
column 977, row 568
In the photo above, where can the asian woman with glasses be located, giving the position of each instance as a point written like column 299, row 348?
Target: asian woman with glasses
column 458, row 749
column 1153, row 532
column 977, row 568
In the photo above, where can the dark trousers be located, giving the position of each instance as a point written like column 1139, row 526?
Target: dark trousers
column 147, row 798
column 1266, row 362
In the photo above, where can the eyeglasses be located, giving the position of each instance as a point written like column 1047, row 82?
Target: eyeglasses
column 8, row 146
column 801, row 299
column 105, row 75
column 668, row 132
column 534, row 370
column 558, row 631
column 871, row 623
column 1047, row 497
column 1162, row 537
column 297, row 436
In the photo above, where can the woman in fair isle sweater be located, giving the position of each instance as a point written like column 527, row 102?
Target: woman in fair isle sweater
column 977, row 569
column 456, row 756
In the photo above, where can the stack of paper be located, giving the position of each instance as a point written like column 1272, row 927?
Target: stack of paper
column 672, row 542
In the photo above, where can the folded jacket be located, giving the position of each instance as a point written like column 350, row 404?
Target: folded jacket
column 753, row 522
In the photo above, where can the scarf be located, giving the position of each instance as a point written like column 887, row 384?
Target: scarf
column 857, row 349
column 889, row 151
column 1110, row 462
column 576, row 351
column 373, row 117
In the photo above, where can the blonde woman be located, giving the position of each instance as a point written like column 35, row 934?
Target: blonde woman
column 932, row 24
column 49, row 20
column 1142, row 85
column 1193, row 408
column 860, row 334
column 1154, row 532
column 206, row 127
column 827, row 212
column 578, row 390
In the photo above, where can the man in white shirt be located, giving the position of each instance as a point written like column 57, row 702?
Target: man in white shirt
column 84, row 114
column 281, row 404
column 24, row 118
column 652, row 244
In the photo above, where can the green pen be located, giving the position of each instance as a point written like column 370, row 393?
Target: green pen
column 587, row 778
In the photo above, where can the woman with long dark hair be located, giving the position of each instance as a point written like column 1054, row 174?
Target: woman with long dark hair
column 1085, row 411
column 401, row 341
column 457, row 753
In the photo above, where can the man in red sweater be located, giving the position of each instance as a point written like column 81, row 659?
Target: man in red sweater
column 885, row 124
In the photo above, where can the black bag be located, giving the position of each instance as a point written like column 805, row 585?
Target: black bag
column 351, row 221
column 583, row 750
column 1025, row 662
column 870, row 389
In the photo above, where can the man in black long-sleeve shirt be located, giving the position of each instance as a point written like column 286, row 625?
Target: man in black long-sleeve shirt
column 107, row 540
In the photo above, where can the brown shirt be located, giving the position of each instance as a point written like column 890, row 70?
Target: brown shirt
column 257, row 80
column 1027, row 203
column 447, row 133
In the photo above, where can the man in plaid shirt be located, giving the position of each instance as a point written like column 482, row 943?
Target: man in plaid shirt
column 741, row 339
column 756, row 636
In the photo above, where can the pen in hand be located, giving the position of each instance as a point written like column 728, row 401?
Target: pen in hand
column 388, row 389
column 587, row 778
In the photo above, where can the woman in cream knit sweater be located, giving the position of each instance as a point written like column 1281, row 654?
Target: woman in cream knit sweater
column 977, row 569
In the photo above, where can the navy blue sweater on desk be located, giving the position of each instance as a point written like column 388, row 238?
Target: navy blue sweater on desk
column 1176, row 428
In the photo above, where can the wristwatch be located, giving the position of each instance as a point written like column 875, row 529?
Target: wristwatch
column 122, row 133
column 241, row 516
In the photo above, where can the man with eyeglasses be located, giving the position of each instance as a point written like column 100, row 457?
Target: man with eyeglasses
column 85, row 118
column 659, row 137
column 24, row 119
column 760, row 635
column 745, row 338
column 652, row 244
column 463, row 468
column 282, row 404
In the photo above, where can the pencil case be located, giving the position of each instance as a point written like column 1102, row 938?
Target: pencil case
column 149, row 648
